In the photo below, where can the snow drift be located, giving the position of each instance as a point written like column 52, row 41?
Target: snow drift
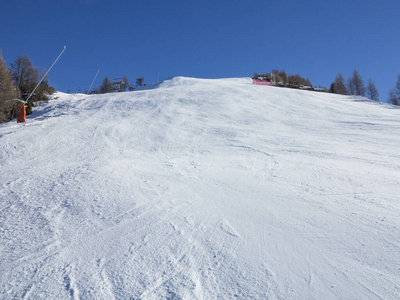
column 201, row 189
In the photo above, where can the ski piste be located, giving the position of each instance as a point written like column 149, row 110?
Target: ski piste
column 201, row 189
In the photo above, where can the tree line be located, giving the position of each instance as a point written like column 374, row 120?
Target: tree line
column 118, row 85
column 19, row 80
column 16, row 84
column 354, row 85
column 281, row 78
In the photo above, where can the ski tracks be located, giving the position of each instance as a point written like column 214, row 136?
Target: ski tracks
column 209, row 257
column 191, row 271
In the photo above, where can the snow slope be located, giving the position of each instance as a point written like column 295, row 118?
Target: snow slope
column 201, row 189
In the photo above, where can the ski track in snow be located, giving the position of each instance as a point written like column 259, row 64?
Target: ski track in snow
column 201, row 189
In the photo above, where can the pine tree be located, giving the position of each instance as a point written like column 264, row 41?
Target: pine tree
column 372, row 92
column 8, row 92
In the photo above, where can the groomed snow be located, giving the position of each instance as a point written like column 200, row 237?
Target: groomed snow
column 201, row 189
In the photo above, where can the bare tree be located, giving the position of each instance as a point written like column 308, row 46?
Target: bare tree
column 394, row 93
column 350, row 86
column 397, row 88
column 8, row 93
column 332, row 88
column 356, row 84
column 139, row 81
column 24, row 74
column 26, row 77
column 340, row 87
column 125, row 84
column 372, row 92
column 284, row 77
column 106, row 86
column 393, row 97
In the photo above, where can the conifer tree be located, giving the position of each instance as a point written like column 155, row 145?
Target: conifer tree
column 372, row 92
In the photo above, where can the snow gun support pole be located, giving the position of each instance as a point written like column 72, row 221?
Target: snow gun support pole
column 44, row 76
column 93, row 81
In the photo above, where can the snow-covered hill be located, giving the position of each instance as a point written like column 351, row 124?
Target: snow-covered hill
column 201, row 189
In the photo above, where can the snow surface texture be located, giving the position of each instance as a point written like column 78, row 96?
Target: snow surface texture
column 201, row 189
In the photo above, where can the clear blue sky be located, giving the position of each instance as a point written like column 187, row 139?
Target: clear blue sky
column 206, row 39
